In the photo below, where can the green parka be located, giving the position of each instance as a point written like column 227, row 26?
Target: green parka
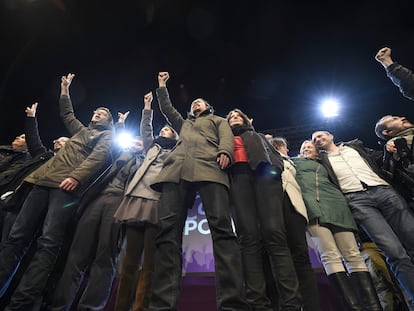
column 201, row 141
column 324, row 202
column 83, row 157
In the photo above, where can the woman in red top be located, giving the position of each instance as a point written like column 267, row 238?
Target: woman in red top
column 257, row 196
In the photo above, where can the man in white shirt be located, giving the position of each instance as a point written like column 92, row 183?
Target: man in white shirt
column 375, row 205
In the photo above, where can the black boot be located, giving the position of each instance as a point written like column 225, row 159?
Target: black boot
column 365, row 287
column 343, row 286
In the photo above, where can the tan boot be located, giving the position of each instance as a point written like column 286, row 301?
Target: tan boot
column 143, row 293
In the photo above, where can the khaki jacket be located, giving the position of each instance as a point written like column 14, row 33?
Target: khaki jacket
column 83, row 157
column 292, row 188
column 202, row 140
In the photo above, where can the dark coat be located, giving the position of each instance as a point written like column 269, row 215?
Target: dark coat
column 39, row 155
column 11, row 163
column 403, row 78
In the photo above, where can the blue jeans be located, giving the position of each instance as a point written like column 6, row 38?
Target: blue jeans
column 56, row 208
column 388, row 221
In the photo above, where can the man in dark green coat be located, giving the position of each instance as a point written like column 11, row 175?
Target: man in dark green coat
column 197, row 164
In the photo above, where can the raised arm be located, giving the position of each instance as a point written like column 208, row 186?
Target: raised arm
column 31, row 131
column 146, row 128
column 66, row 109
column 171, row 114
column 401, row 76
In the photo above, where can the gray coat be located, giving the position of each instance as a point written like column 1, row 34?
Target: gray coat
column 83, row 157
column 152, row 164
column 202, row 140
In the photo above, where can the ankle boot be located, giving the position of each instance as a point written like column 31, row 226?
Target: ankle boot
column 126, row 290
column 365, row 287
column 343, row 286
column 143, row 293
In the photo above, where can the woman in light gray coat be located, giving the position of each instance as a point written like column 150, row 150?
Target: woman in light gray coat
column 296, row 220
column 139, row 210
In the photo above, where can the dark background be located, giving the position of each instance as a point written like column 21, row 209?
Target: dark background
column 273, row 59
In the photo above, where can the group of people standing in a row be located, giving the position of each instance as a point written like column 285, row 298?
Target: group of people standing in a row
column 143, row 193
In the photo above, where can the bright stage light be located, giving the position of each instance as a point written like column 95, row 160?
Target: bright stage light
column 124, row 140
column 330, row 108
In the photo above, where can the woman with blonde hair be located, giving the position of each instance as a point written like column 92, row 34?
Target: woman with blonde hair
column 332, row 229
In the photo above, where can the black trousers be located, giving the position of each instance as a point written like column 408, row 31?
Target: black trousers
column 95, row 246
column 258, row 208
column 176, row 199
column 295, row 232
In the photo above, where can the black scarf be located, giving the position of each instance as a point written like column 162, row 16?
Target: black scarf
column 165, row 143
column 258, row 150
column 238, row 130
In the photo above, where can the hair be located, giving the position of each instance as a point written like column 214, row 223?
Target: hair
column 380, row 127
column 176, row 136
column 246, row 119
column 309, row 141
column 278, row 141
column 209, row 108
column 110, row 118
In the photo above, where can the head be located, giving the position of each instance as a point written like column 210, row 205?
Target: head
column 19, row 143
column 59, row 143
column 308, row 150
column 137, row 145
column 168, row 132
column 238, row 117
column 280, row 144
column 199, row 105
column 102, row 114
column 389, row 126
column 322, row 139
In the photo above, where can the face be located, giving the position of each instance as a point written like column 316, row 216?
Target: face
column 19, row 143
column 137, row 145
column 322, row 139
column 393, row 125
column 59, row 143
column 167, row 132
column 198, row 106
column 308, row 150
column 100, row 115
column 282, row 148
column 235, row 119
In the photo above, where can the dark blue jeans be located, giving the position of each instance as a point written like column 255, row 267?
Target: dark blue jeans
column 388, row 221
column 175, row 201
column 53, row 206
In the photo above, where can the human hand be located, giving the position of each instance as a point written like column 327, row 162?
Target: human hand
column 122, row 116
column 223, row 160
column 69, row 184
column 67, row 80
column 384, row 57
column 390, row 147
column 147, row 100
column 163, row 76
column 31, row 111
